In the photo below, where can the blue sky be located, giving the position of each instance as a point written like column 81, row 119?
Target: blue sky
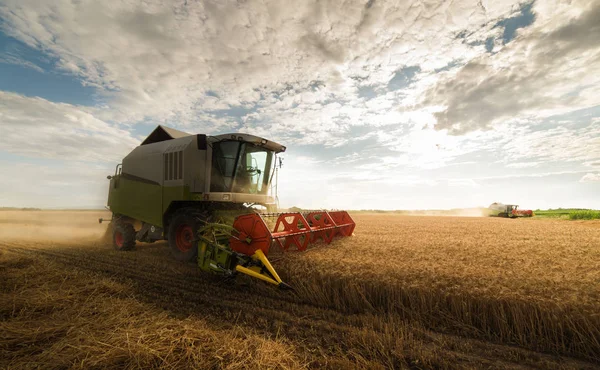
column 381, row 105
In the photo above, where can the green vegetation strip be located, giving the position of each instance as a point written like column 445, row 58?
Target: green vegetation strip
column 586, row 214
column 568, row 213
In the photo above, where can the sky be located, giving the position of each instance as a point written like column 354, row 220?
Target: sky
column 381, row 104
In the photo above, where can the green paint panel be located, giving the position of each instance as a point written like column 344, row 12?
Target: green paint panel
column 174, row 193
column 148, row 202
column 136, row 199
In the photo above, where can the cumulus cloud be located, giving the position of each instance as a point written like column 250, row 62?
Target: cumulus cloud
column 295, row 69
column 552, row 67
column 590, row 177
column 187, row 62
column 38, row 128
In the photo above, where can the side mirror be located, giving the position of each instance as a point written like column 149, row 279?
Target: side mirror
column 109, row 177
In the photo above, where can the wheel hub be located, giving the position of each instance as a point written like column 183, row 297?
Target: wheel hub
column 119, row 239
column 184, row 238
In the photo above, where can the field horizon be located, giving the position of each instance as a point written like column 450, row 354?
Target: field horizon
column 298, row 209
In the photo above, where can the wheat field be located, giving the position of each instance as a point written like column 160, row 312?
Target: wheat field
column 403, row 292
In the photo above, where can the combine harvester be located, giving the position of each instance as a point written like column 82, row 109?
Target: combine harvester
column 508, row 211
column 199, row 192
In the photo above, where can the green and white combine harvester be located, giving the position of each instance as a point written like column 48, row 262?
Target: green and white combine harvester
column 203, row 194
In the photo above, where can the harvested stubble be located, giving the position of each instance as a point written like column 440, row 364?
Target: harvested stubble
column 54, row 317
column 370, row 301
column 531, row 283
column 61, row 310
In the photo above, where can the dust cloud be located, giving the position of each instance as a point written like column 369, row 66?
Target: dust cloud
column 56, row 226
column 470, row 212
column 458, row 212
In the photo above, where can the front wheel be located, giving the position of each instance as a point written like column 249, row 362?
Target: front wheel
column 183, row 241
column 123, row 236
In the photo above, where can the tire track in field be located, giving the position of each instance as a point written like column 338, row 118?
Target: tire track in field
column 267, row 315
column 148, row 274
column 317, row 328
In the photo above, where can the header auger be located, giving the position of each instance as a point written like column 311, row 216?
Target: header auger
column 180, row 187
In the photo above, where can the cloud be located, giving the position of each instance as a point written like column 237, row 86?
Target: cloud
column 569, row 142
column 183, row 63
column 469, row 183
column 523, row 164
column 550, row 68
column 13, row 59
column 38, row 128
column 591, row 177
column 528, row 175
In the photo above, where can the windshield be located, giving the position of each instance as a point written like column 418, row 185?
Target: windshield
column 240, row 167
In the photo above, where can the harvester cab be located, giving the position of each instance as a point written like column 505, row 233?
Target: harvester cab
column 203, row 194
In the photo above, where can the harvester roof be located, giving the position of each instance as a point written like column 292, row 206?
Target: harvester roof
column 164, row 133
column 252, row 139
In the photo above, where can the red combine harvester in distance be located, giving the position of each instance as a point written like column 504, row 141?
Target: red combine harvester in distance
column 508, row 211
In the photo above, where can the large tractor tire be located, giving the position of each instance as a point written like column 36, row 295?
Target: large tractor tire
column 182, row 234
column 123, row 236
